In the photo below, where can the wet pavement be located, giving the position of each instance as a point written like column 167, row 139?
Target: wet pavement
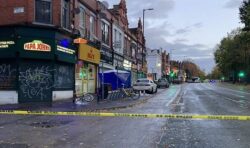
column 68, row 105
column 108, row 132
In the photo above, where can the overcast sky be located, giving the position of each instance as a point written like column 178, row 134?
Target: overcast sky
column 191, row 27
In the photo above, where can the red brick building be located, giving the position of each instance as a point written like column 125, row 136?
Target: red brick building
column 55, row 24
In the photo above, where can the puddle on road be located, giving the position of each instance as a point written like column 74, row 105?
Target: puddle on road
column 13, row 145
column 49, row 124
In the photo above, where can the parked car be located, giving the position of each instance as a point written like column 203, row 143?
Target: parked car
column 162, row 83
column 145, row 85
column 196, row 80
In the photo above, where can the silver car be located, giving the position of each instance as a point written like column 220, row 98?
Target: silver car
column 145, row 85
column 163, row 83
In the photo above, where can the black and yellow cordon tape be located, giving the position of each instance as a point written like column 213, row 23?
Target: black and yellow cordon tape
column 131, row 115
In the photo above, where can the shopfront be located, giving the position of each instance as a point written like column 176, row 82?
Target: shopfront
column 107, row 59
column 36, row 65
column 87, row 69
column 134, row 72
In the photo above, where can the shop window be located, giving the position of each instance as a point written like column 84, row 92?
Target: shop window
column 43, row 11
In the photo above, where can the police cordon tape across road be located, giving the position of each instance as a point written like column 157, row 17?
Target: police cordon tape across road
column 130, row 115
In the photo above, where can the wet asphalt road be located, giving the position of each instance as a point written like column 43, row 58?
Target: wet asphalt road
column 107, row 132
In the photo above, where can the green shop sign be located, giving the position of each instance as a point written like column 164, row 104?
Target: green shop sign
column 6, row 44
column 7, row 48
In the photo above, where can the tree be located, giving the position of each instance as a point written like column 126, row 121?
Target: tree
column 245, row 14
column 215, row 74
column 231, row 55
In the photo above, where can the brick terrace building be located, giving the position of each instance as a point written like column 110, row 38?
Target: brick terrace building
column 39, row 61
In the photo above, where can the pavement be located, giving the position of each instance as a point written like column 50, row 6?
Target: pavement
column 108, row 132
column 242, row 87
column 68, row 105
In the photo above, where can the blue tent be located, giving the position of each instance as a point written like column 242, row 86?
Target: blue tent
column 115, row 77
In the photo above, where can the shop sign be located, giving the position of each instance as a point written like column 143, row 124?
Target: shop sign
column 90, row 54
column 37, row 45
column 139, row 67
column 134, row 66
column 6, row 44
column 65, row 50
column 106, row 56
column 117, row 57
column 127, row 64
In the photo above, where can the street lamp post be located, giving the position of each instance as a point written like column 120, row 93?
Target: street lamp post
column 143, row 18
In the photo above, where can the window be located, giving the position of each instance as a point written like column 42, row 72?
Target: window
column 120, row 41
column 66, row 14
column 82, row 23
column 105, row 33
column 43, row 11
column 92, row 26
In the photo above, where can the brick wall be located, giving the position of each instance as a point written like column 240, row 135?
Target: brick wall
column 8, row 16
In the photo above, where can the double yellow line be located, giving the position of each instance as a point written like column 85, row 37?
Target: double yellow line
column 129, row 115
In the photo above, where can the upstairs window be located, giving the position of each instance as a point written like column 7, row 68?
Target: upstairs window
column 105, row 33
column 43, row 11
column 92, row 27
column 82, row 22
column 66, row 14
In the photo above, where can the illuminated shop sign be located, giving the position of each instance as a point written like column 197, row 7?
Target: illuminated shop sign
column 6, row 44
column 37, row 45
column 64, row 43
column 127, row 64
column 89, row 53
column 66, row 50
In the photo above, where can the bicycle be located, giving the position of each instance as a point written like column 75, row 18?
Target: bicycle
column 130, row 93
column 88, row 97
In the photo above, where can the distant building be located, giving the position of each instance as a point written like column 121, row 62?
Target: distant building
column 154, row 61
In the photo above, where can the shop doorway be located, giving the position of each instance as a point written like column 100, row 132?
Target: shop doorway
column 85, row 78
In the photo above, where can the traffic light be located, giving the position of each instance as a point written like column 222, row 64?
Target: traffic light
column 172, row 74
column 241, row 74
column 222, row 78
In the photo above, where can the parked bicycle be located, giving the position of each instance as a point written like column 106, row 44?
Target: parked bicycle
column 88, row 97
column 130, row 93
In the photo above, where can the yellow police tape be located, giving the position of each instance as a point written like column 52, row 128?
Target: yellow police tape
column 132, row 115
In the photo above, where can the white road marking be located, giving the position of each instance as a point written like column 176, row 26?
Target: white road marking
column 176, row 93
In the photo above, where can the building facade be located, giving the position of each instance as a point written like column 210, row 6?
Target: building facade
column 40, row 60
column 154, row 61
column 38, row 56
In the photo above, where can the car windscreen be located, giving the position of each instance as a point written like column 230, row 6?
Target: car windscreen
column 142, row 81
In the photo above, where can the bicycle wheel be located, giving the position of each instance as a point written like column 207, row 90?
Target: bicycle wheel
column 88, row 97
column 135, row 95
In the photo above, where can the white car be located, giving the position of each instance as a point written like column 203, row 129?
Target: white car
column 145, row 85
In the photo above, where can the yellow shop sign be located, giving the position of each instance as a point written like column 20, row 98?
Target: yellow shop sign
column 89, row 54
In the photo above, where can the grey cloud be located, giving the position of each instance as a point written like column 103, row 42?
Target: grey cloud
column 197, row 25
column 180, row 40
column 161, row 10
column 183, row 30
column 231, row 4
column 188, row 28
